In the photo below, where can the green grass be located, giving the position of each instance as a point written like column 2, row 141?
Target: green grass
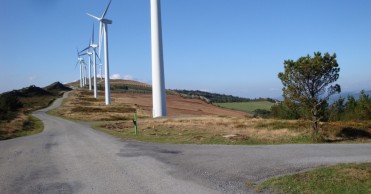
column 343, row 178
column 247, row 106
column 32, row 126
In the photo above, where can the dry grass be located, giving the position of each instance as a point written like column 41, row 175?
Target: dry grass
column 80, row 105
column 208, row 129
column 194, row 121
column 20, row 126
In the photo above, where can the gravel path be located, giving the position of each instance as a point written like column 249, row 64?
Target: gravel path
column 68, row 157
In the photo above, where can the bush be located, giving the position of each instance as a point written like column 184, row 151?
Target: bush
column 262, row 113
column 282, row 111
column 9, row 103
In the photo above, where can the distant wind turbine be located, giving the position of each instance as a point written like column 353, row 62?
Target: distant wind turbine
column 79, row 61
column 158, row 79
column 103, row 34
column 94, row 53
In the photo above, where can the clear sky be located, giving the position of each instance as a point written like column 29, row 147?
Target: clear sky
column 227, row 46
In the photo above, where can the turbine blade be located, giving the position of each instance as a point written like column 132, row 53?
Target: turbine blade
column 77, row 64
column 95, row 17
column 92, row 36
column 105, row 12
column 98, row 57
column 84, row 50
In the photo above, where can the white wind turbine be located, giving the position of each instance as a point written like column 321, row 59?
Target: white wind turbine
column 103, row 31
column 80, row 61
column 94, row 53
column 158, row 79
column 89, row 66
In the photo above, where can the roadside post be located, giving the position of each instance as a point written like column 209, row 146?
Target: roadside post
column 135, row 123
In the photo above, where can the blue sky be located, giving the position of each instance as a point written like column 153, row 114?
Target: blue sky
column 227, row 46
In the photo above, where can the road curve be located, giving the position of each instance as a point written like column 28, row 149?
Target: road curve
column 69, row 157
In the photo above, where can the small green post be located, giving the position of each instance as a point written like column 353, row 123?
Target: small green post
column 135, row 123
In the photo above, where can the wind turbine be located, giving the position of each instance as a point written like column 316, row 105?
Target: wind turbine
column 94, row 53
column 103, row 31
column 158, row 79
column 79, row 60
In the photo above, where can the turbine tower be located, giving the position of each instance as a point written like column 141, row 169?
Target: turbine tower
column 158, row 79
column 103, row 31
column 89, row 68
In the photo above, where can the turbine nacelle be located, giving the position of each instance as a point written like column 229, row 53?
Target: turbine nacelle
column 106, row 21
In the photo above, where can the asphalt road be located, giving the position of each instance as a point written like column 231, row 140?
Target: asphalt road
column 69, row 157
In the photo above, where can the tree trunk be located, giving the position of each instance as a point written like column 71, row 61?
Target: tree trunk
column 315, row 125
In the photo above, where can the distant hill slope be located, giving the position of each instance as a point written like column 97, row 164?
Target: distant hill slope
column 57, row 86
column 217, row 98
column 33, row 97
column 30, row 91
column 135, row 87
column 119, row 85
column 346, row 94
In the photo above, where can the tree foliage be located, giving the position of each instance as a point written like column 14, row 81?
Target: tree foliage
column 351, row 109
column 307, row 84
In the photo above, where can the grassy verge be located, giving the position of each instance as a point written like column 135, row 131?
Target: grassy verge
column 247, row 106
column 30, row 126
column 343, row 178
column 234, row 131
column 117, row 120
column 208, row 130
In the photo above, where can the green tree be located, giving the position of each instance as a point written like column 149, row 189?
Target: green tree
column 350, row 108
column 363, row 108
column 336, row 110
column 307, row 83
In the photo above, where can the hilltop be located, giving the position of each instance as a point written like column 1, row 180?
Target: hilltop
column 57, row 86
column 130, row 96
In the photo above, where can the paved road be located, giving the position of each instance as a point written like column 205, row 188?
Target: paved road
column 68, row 157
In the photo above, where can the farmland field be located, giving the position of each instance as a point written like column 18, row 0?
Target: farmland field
column 247, row 106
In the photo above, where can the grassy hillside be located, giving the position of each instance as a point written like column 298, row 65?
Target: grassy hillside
column 248, row 107
column 17, row 105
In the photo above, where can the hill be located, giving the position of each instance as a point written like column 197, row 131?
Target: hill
column 16, row 105
column 215, row 97
column 130, row 96
column 346, row 94
column 31, row 91
column 57, row 86
column 135, row 87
